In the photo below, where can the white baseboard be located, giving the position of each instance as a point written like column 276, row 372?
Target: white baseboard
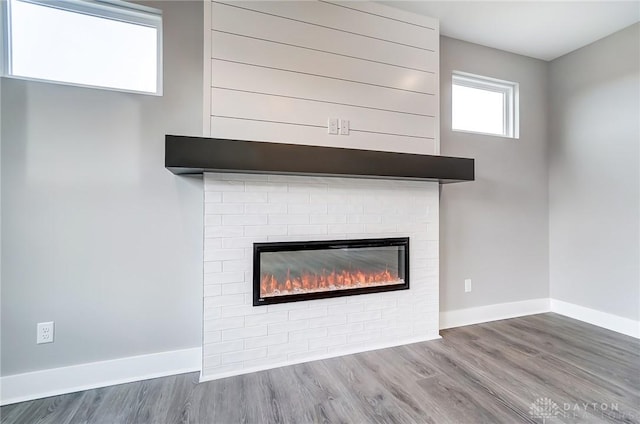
column 601, row 319
column 480, row 314
column 56, row 381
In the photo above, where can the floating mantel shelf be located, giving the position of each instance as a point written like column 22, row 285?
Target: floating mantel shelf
column 195, row 155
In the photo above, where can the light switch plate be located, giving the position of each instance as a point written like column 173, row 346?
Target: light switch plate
column 344, row 127
column 332, row 125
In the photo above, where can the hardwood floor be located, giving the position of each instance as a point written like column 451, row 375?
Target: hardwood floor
column 541, row 368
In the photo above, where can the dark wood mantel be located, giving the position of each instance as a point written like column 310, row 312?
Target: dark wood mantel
column 195, row 155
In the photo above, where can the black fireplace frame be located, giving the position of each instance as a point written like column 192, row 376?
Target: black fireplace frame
column 258, row 248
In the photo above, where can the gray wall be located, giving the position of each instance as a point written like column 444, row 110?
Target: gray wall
column 495, row 230
column 99, row 237
column 594, row 175
column 1, row 79
column 96, row 234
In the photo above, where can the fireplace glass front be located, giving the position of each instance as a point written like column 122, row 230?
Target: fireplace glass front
column 293, row 271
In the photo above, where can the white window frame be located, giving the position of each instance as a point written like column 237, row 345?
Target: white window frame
column 511, row 96
column 116, row 10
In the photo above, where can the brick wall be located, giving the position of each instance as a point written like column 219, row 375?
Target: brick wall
column 241, row 209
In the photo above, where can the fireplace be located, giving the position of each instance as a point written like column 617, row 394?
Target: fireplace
column 244, row 209
column 294, row 271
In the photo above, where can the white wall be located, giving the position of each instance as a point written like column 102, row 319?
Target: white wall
column 279, row 70
column 594, row 175
column 96, row 234
column 494, row 230
column 244, row 209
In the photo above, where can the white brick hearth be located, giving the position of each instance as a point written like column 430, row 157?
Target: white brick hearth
column 242, row 209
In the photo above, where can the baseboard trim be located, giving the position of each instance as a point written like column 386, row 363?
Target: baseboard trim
column 480, row 314
column 210, row 377
column 606, row 320
column 57, row 381
column 498, row 311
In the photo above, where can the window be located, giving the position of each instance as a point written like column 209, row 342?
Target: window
column 107, row 44
column 484, row 105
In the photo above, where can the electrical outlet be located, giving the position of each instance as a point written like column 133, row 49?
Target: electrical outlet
column 467, row 285
column 45, row 332
column 332, row 125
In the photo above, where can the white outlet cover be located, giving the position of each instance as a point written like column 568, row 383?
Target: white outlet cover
column 45, row 332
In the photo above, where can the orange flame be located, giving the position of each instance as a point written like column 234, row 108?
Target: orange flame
column 309, row 283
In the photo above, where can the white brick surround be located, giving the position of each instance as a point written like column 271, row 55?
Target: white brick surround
column 241, row 209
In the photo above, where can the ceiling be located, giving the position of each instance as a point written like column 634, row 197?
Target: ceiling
column 540, row 29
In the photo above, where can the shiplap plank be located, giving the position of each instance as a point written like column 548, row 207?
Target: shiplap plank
column 230, row 103
column 244, row 129
column 270, row 81
column 348, row 20
column 275, row 55
column 259, row 25
column 389, row 13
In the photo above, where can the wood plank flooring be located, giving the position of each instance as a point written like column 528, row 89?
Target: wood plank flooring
column 537, row 369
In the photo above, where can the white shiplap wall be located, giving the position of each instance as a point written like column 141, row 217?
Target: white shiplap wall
column 279, row 70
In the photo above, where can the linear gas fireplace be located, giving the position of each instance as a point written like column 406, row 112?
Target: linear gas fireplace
column 293, row 271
